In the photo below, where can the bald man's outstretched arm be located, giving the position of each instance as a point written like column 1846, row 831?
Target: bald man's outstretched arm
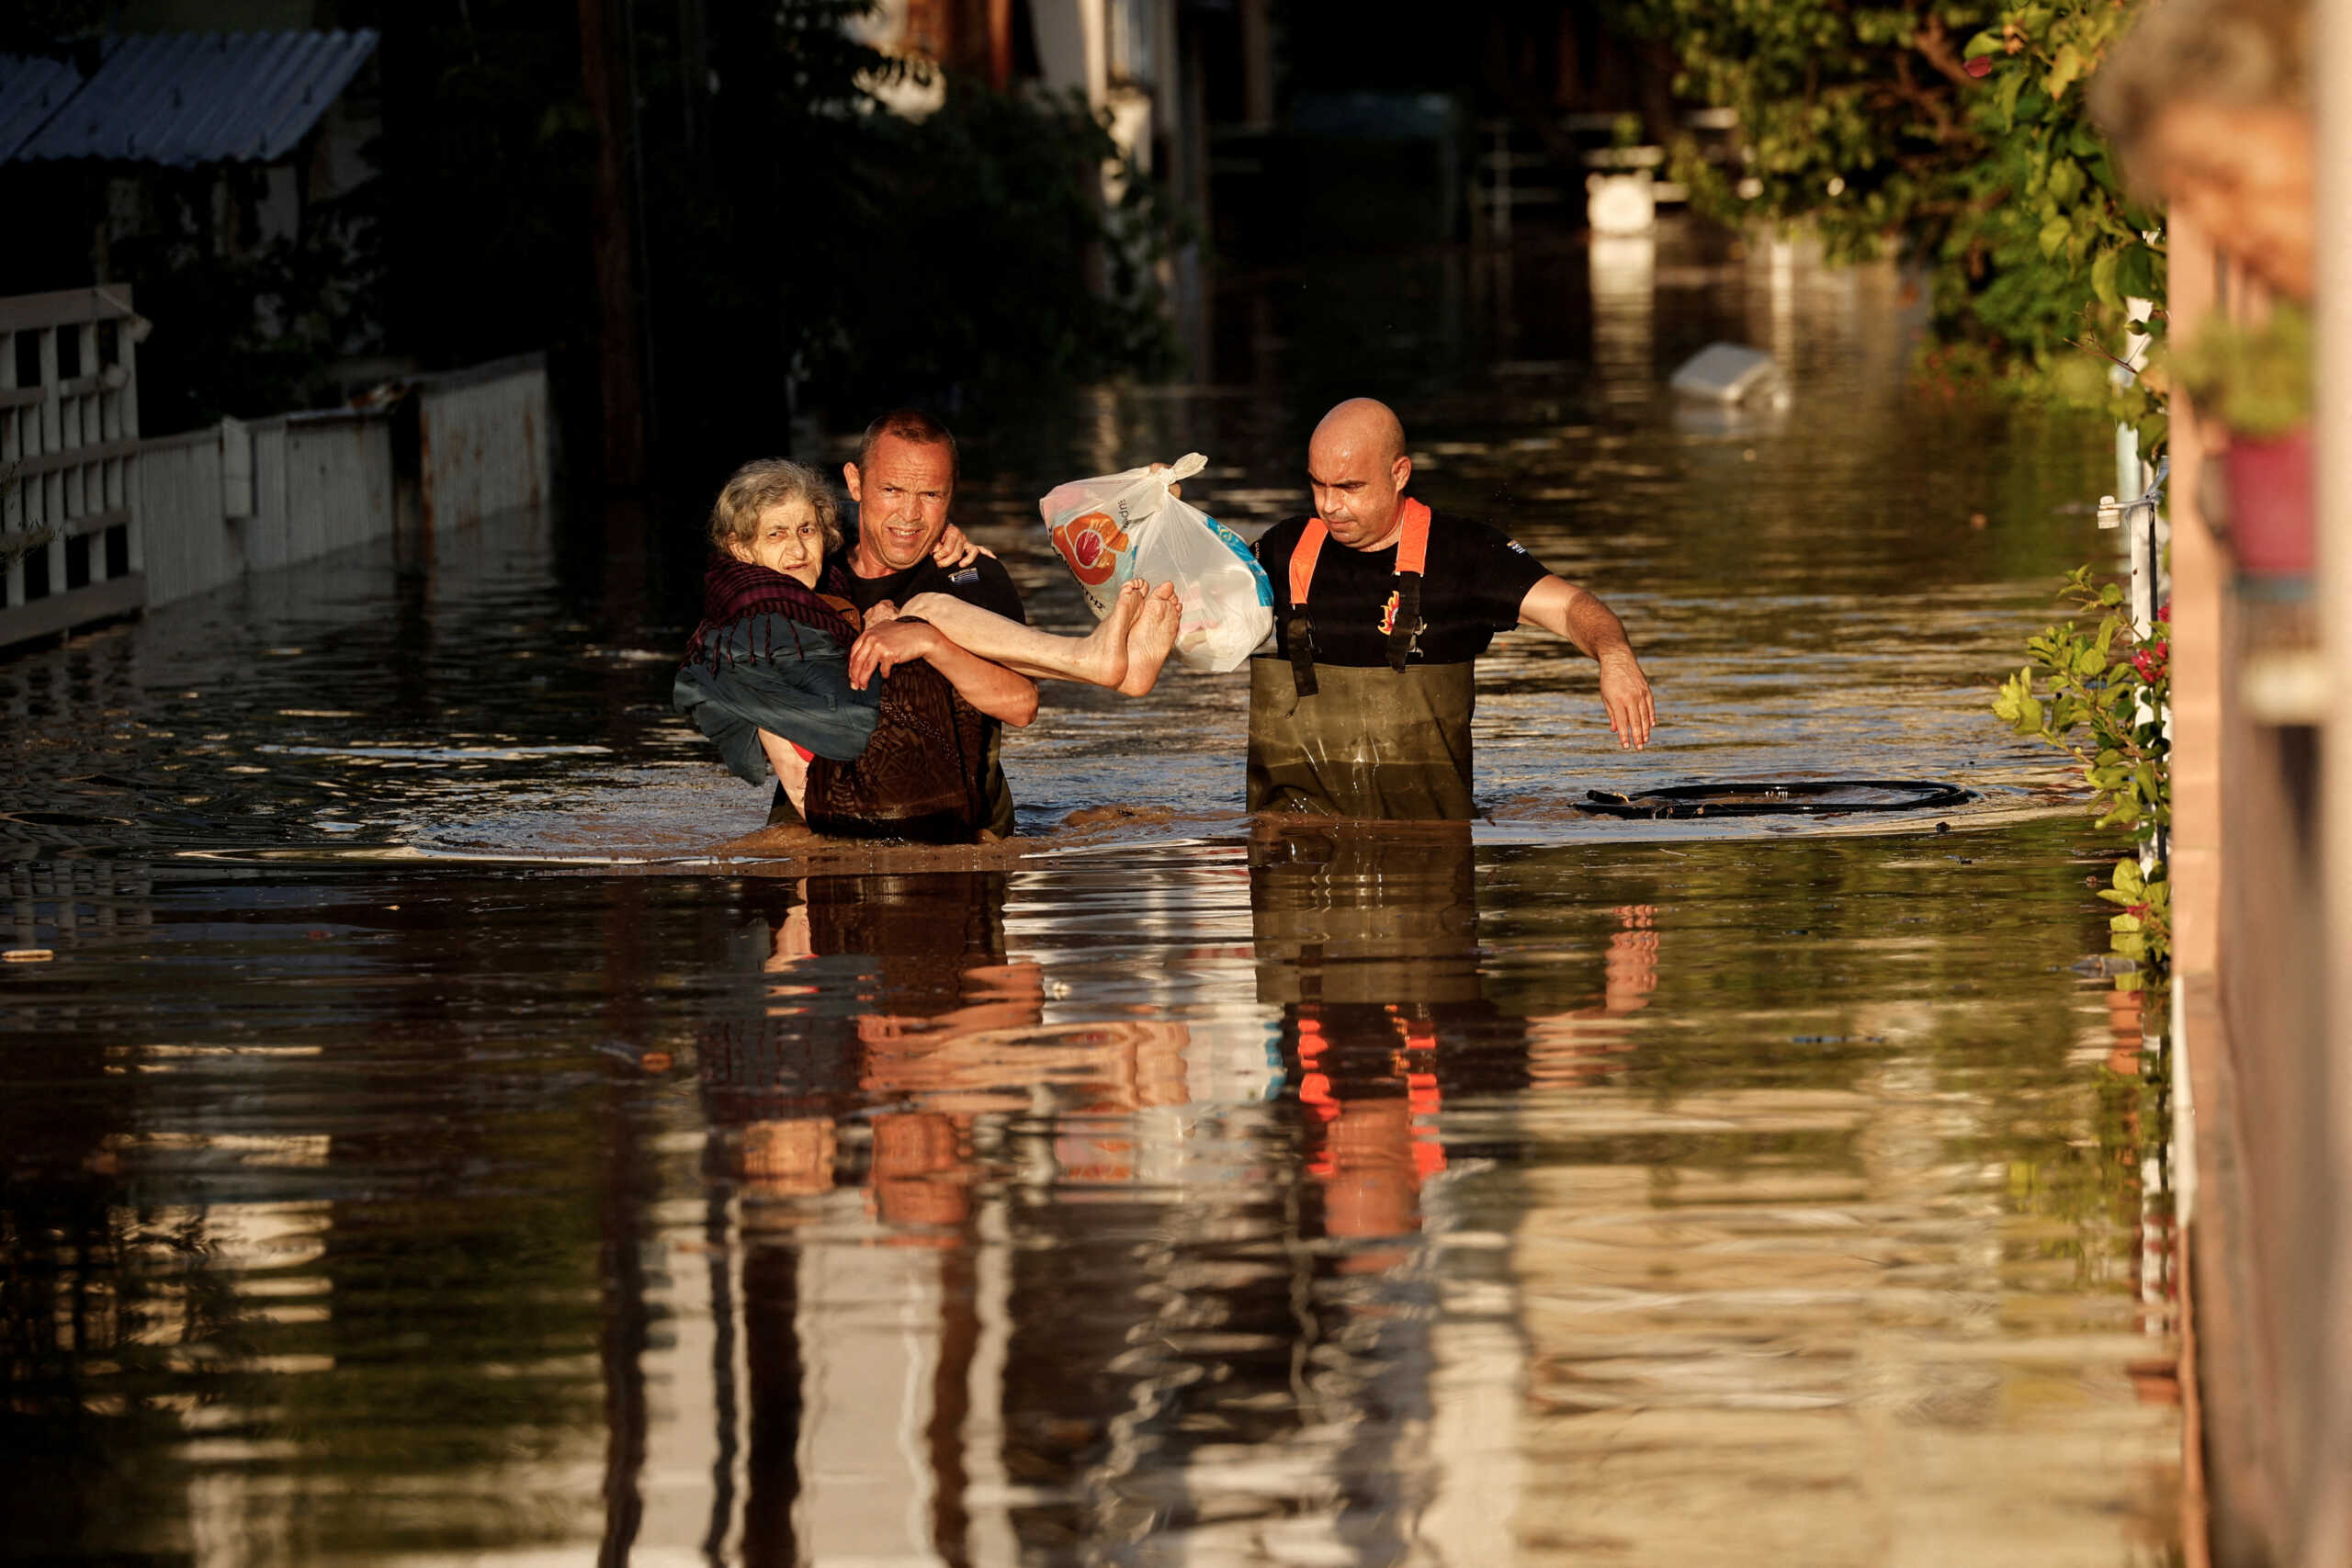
column 1561, row 607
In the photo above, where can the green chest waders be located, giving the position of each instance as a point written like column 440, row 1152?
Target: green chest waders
column 1391, row 742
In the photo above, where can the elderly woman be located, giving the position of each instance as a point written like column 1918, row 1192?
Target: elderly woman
column 2210, row 107
column 768, row 674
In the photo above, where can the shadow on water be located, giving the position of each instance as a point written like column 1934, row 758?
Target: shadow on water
column 417, row 1147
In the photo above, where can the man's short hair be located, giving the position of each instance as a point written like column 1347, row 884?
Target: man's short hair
column 770, row 481
column 909, row 425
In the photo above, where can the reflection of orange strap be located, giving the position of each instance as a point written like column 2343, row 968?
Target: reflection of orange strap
column 1314, row 1084
column 1412, row 549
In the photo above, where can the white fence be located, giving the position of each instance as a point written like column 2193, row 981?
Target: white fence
column 219, row 503
column 99, row 524
column 69, row 444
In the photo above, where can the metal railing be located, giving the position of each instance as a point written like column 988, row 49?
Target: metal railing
column 69, row 438
column 95, row 523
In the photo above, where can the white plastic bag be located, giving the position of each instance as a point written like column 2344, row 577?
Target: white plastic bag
column 1123, row 525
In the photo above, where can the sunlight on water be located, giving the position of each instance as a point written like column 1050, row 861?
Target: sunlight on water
column 423, row 1145
column 1378, row 1197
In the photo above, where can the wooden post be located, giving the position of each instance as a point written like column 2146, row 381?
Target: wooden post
column 2327, row 1513
column 51, row 486
column 620, row 350
column 12, row 504
column 127, row 333
column 1257, row 64
column 86, row 488
column 1001, row 44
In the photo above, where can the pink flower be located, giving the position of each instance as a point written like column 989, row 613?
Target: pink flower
column 1980, row 66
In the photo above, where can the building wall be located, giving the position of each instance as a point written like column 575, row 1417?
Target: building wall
column 2250, row 963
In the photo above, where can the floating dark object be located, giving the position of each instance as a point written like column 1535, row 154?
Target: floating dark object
column 1806, row 798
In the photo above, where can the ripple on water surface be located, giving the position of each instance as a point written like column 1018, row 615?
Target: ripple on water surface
column 1377, row 1195
column 1561, row 1190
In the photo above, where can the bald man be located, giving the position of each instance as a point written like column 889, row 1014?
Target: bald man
column 1381, row 607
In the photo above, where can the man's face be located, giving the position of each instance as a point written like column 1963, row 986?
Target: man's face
column 2244, row 176
column 901, row 494
column 1359, row 487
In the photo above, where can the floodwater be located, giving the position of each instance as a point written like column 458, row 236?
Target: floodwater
column 424, row 1145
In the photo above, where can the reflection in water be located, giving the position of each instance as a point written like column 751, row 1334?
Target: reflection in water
column 1545, row 1194
column 1348, row 1195
column 921, row 1161
column 1625, row 298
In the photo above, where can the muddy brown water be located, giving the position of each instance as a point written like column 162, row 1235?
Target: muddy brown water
column 422, row 1144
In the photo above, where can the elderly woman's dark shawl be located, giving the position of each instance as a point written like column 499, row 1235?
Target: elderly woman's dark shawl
column 919, row 775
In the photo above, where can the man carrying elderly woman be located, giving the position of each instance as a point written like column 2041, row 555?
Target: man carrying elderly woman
column 871, row 680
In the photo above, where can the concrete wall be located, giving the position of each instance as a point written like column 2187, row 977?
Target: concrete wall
column 484, row 441
column 2251, row 961
column 189, row 549
column 215, row 504
column 211, row 505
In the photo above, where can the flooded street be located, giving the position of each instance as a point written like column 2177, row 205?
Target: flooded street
column 422, row 1146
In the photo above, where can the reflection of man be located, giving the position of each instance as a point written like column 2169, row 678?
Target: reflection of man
column 867, row 974
column 1367, row 937
column 895, row 992
column 1380, row 607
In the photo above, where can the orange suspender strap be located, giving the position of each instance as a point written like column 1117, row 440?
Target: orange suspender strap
column 1299, row 632
column 1404, row 627
column 1413, row 549
column 1303, row 556
column 1405, row 612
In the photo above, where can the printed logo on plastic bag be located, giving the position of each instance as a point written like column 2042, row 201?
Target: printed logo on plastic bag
column 1091, row 544
column 1127, row 526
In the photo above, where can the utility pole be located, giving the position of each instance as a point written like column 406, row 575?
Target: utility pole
column 1000, row 20
column 620, row 344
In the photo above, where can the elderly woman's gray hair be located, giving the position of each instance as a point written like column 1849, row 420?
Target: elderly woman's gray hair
column 772, row 481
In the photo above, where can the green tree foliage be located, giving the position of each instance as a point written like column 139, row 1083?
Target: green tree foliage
column 798, row 246
column 1955, row 133
column 2100, row 694
column 795, row 239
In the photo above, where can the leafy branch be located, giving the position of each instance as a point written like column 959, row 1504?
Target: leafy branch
column 1957, row 133
column 2101, row 696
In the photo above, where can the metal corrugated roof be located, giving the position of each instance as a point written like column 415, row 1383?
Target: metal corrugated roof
column 31, row 90
column 182, row 99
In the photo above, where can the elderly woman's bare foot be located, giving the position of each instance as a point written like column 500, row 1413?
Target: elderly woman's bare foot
column 1153, row 638
column 1103, row 653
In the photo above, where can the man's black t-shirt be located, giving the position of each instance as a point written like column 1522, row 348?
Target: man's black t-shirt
column 1476, row 577
column 984, row 583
